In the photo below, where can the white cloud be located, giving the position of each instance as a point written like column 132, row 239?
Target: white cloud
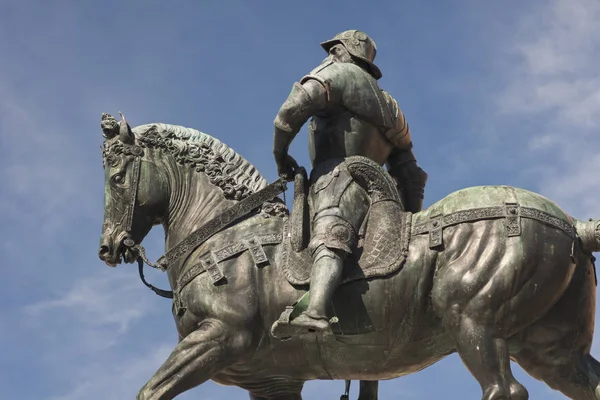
column 43, row 171
column 556, row 51
column 91, row 332
column 554, row 89
column 101, row 308
column 107, row 299
column 559, row 36
column 122, row 381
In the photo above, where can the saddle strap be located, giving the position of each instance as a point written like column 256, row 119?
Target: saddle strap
column 220, row 222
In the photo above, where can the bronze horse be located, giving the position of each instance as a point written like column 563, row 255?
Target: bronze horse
column 493, row 273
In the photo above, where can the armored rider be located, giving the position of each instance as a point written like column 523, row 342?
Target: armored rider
column 351, row 116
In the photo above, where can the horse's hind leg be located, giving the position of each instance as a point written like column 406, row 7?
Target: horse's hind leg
column 368, row 390
column 556, row 348
column 493, row 287
column 277, row 390
column 195, row 360
column 578, row 378
column 487, row 358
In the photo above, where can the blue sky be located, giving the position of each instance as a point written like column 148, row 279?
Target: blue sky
column 495, row 93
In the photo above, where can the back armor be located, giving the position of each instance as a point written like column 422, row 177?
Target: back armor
column 360, row 118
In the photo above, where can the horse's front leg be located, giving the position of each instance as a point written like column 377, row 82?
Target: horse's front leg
column 195, row 360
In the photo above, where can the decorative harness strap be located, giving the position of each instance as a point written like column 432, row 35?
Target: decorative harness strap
column 208, row 262
column 209, row 229
column 511, row 212
column 220, row 222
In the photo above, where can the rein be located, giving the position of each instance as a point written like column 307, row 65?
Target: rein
column 167, row 294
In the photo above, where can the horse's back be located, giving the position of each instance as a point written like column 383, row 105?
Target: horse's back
column 480, row 197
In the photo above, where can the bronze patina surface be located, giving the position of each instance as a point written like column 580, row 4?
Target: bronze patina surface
column 493, row 273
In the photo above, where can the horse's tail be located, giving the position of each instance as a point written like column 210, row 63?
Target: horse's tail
column 589, row 233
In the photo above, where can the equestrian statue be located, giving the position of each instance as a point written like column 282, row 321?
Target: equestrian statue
column 356, row 281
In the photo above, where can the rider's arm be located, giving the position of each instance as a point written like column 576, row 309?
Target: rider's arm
column 400, row 134
column 402, row 165
column 400, row 138
column 304, row 100
column 411, row 179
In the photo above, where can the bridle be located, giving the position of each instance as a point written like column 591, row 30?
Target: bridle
column 129, row 243
column 134, row 183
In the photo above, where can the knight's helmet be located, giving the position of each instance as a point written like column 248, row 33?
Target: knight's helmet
column 359, row 45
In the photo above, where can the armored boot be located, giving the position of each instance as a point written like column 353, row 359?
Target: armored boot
column 325, row 277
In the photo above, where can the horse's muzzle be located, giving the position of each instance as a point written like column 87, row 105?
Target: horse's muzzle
column 109, row 252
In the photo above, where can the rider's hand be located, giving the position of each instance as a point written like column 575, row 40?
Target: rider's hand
column 286, row 166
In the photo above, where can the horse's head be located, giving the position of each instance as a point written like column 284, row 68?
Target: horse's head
column 134, row 192
column 169, row 174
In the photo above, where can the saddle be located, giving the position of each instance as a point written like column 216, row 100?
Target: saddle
column 384, row 237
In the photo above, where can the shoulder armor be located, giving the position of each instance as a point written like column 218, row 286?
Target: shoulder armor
column 353, row 88
column 398, row 133
column 317, row 75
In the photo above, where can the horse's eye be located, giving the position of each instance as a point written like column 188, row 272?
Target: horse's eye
column 118, row 178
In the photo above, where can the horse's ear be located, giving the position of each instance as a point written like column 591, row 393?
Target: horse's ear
column 110, row 126
column 125, row 134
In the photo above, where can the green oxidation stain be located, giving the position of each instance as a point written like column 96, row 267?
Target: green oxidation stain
column 300, row 305
column 491, row 196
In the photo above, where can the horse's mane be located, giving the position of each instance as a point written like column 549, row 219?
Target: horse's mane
column 225, row 168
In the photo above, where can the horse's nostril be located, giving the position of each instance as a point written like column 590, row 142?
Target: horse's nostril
column 104, row 250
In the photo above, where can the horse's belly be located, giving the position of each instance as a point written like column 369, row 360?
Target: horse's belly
column 336, row 357
column 382, row 333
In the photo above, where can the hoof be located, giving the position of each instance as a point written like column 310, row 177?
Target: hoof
column 516, row 392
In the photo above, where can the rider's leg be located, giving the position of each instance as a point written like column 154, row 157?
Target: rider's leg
column 338, row 212
column 326, row 276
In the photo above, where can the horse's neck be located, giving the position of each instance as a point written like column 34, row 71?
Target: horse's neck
column 193, row 201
